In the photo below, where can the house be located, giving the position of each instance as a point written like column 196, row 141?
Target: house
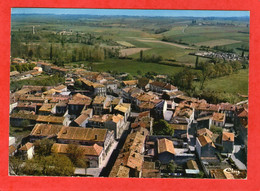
column 130, row 163
column 205, row 146
column 241, row 123
column 130, row 83
column 130, row 159
column 108, row 121
column 23, row 118
column 47, row 109
column 82, row 120
column 129, row 94
column 51, row 120
column 61, row 88
column 218, row 119
column 101, row 105
column 205, row 132
column 111, row 86
column 144, row 83
column 159, row 110
column 180, row 130
column 45, row 66
column 93, row 154
column 123, row 109
column 229, row 111
column 41, row 131
column 86, row 136
column 96, row 88
column 205, row 107
column 143, row 122
column 78, row 103
column 160, row 87
column 165, row 150
column 228, row 142
column 27, row 150
column 61, row 108
column 27, row 106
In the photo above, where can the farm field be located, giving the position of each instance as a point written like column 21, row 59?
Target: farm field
column 234, row 83
column 132, row 67
column 131, row 51
column 219, row 42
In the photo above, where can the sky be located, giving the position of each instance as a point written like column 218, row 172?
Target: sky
column 132, row 12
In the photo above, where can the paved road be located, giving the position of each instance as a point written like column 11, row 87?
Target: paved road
column 238, row 157
column 106, row 170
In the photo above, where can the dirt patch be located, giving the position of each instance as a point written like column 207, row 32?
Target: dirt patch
column 131, row 51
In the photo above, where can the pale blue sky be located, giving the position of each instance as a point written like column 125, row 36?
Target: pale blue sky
column 132, row 12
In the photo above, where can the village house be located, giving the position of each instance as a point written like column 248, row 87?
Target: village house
column 130, row 83
column 23, row 118
column 165, row 150
column 218, row 119
column 101, row 105
column 61, row 108
column 47, row 119
column 92, row 154
column 144, row 83
column 205, row 146
column 160, row 87
column 130, row 93
column 228, row 142
column 77, row 103
column 110, row 122
column 41, row 131
column 47, row 109
column 45, row 66
column 111, row 86
column 131, row 157
column 96, row 88
column 27, row 150
column 229, row 111
column 27, row 106
column 206, row 108
column 241, row 123
column 82, row 120
column 149, row 170
column 123, row 109
column 159, row 110
column 86, row 136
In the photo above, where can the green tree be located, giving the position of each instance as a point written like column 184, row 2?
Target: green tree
column 15, row 165
column 197, row 62
column 76, row 155
column 161, row 127
column 43, row 147
column 207, row 72
column 53, row 165
column 51, row 52
column 171, row 166
column 141, row 55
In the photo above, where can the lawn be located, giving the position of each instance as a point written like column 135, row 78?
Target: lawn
column 132, row 66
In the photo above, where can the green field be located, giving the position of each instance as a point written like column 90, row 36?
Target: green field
column 234, row 83
column 132, row 66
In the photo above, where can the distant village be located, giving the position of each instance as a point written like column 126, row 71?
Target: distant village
column 118, row 124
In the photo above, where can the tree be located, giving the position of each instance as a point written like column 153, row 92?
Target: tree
column 15, row 165
column 215, row 129
column 197, row 62
column 43, row 147
column 30, row 53
column 51, row 52
column 207, row 72
column 76, row 155
column 184, row 79
column 161, row 127
column 141, row 55
column 53, row 165
column 171, row 166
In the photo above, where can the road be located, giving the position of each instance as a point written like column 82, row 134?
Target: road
column 238, row 157
column 106, row 170
column 183, row 30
